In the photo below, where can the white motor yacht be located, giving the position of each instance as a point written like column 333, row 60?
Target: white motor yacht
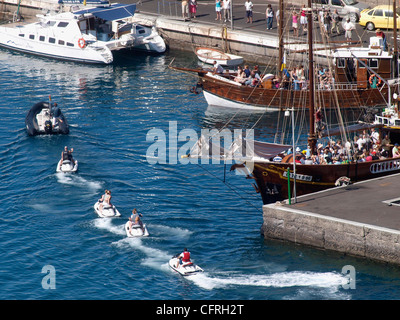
column 87, row 35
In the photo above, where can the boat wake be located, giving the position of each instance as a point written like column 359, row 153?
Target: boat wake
column 106, row 224
column 329, row 280
column 76, row 180
column 158, row 259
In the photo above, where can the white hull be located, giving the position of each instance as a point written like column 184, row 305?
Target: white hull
column 224, row 59
column 90, row 54
column 184, row 269
column 136, row 231
column 83, row 36
column 107, row 212
column 216, row 101
column 67, row 166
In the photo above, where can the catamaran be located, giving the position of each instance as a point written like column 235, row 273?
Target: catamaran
column 88, row 35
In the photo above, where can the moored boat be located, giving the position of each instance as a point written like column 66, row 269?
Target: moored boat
column 88, row 35
column 45, row 118
column 280, row 174
column 209, row 55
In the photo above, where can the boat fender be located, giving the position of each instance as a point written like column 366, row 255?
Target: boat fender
column 342, row 181
column 81, row 43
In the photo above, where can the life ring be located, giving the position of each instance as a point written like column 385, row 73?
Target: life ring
column 81, row 43
column 371, row 79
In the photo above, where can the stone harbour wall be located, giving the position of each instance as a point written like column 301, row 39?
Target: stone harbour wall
column 324, row 232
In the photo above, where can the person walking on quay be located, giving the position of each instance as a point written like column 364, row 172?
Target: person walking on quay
column 185, row 12
column 249, row 11
column 295, row 24
column 270, row 16
column 192, row 8
column 348, row 27
column 327, row 23
column 303, row 18
column 226, row 6
column 335, row 22
column 218, row 8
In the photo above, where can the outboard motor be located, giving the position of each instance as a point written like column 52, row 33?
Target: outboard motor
column 48, row 126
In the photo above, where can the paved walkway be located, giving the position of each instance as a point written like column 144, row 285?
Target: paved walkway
column 206, row 14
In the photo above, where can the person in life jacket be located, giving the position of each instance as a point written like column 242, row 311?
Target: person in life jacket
column 67, row 155
column 184, row 257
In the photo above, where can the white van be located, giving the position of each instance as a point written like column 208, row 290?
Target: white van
column 346, row 8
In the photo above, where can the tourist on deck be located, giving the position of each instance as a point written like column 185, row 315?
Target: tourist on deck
column 247, row 71
column 396, row 151
column 217, row 68
column 240, row 76
column 374, row 136
column 386, row 145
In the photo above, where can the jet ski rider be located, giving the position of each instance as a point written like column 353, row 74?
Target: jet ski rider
column 184, row 257
column 67, row 155
column 134, row 219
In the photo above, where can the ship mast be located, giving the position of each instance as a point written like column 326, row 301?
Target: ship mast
column 280, row 35
column 395, row 49
column 312, row 140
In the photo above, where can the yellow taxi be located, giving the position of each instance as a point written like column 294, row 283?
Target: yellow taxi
column 379, row 17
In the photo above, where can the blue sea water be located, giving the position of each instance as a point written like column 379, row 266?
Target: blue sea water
column 48, row 221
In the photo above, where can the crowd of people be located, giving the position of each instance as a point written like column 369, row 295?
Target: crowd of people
column 329, row 21
column 366, row 146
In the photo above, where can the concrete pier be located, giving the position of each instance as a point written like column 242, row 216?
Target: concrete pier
column 362, row 219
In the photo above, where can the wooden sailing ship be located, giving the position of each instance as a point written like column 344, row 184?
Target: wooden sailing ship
column 350, row 82
column 275, row 178
column 272, row 177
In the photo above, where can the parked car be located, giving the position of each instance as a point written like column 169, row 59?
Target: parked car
column 379, row 17
column 346, row 8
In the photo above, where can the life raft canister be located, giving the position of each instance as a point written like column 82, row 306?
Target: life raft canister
column 371, row 79
column 81, row 43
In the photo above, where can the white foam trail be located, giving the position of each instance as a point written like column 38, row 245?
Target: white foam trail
column 73, row 179
column 172, row 231
column 42, row 207
column 329, row 280
column 106, row 224
column 155, row 258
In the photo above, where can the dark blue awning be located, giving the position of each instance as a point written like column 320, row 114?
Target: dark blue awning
column 115, row 11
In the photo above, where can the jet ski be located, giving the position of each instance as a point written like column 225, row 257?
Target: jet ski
column 46, row 118
column 184, row 269
column 67, row 166
column 107, row 212
column 136, row 231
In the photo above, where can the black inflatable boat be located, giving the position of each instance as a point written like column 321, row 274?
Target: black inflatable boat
column 46, row 118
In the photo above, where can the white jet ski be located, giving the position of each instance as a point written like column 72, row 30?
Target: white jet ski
column 67, row 166
column 107, row 212
column 184, row 269
column 136, row 231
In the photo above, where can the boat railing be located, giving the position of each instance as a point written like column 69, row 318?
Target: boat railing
column 385, row 166
column 169, row 8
